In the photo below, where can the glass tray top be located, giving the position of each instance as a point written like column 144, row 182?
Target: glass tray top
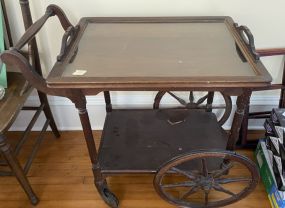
column 138, row 51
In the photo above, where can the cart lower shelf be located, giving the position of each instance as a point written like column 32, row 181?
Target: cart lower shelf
column 140, row 141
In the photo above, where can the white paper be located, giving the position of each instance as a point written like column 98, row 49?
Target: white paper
column 79, row 72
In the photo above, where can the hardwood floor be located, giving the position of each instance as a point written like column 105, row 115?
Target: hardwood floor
column 61, row 176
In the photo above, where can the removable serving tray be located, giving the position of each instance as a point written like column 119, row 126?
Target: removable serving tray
column 134, row 53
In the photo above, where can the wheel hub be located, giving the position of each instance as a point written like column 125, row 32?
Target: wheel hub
column 206, row 183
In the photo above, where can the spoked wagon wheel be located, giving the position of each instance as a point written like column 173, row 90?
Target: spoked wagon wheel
column 206, row 179
column 204, row 101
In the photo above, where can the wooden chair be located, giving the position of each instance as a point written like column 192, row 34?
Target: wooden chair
column 13, row 102
column 244, row 142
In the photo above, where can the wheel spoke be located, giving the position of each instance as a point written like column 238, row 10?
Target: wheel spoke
column 221, row 172
column 232, row 180
column 204, row 167
column 210, row 97
column 193, row 190
column 191, row 97
column 177, row 185
column 181, row 101
column 219, row 188
column 185, row 173
column 202, row 99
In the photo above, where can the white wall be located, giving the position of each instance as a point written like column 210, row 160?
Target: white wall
column 265, row 19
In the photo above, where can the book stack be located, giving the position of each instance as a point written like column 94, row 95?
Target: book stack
column 275, row 128
column 270, row 155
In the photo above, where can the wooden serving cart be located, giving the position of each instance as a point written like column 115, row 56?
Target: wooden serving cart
column 186, row 148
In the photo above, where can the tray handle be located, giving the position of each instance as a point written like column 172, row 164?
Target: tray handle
column 52, row 10
column 14, row 56
column 67, row 38
column 248, row 39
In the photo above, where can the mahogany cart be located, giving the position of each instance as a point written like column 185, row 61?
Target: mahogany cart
column 186, row 148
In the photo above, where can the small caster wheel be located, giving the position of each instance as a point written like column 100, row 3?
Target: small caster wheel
column 110, row 198
column 34, row 200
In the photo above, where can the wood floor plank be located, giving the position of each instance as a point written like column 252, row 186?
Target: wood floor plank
column 61, row 176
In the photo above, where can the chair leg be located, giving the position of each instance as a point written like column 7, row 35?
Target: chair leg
column 48, row 113
column 17, row 170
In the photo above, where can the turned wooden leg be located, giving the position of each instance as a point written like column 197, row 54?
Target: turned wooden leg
column 99, row 179
column 16, row 169
column 108, row 101
column 242, row 103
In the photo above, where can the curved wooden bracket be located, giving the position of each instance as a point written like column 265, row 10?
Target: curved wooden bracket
column 13, row 58
column 52, row 10
column 56, row 10
column 248, row 39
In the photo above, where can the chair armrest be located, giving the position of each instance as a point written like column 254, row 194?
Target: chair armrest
column 15, row 57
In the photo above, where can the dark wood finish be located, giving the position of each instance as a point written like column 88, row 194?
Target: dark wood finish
column 263, row 114
column 107, row 98
column 67, row 38
column 32, row 29
column 248, row 38
column 60, row 82
column 155, row 136
column 242, row 104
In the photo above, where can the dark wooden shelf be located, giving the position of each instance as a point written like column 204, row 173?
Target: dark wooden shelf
column 140, row 141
